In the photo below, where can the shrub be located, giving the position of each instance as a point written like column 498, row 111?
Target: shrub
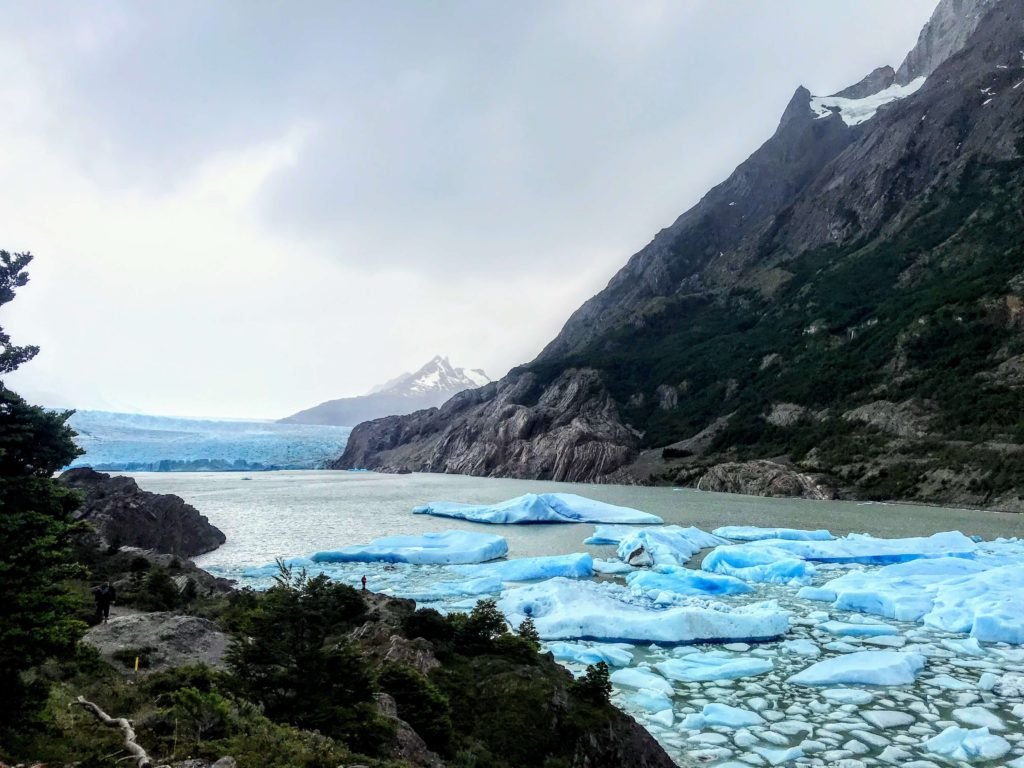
column 420, row 704
column 595, row 685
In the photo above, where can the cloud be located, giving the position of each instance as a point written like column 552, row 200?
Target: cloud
column 243, row 208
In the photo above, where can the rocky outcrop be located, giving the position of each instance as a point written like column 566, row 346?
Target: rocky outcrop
column 568, row 429
column 947, row 31
column 906, row 419
column 162, row 640
column 125, row 515
column 623, row 742
column 407, row 745
column 764, row 478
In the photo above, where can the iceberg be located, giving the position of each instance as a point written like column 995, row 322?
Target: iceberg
column 724, row 716
column 576, row 566
column 952, row 594
column 446, row 590
column 670, row 545
column 754, row 533
column 562, row 610
column 540, row 508
column 612, row 655
column 862, row 548
column 863, row 668
column 609, row 534
column 845, row 629
column 684, row 581
column 967, row 744
column 644, row 680
column 702, row 667
column 650, row 701
column 760, row 564
column 447, row 547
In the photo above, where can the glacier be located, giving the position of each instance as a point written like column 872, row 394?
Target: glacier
column 540, row 508
column 130, row 442
column 446, row 547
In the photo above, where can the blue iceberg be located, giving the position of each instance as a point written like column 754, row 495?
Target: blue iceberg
column 863, row 668
column 755, row 533
column 963, row 744
column 576, row 566
column 684, row 581
column 540, row 508
column 980, row 598
column 769, row 565
column 862, row 548
column 445, row 548
column 668, row 545
column 612, row 655
column 563, row 610
column 703, row 667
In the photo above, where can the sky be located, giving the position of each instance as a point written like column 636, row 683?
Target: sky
column 243, row 208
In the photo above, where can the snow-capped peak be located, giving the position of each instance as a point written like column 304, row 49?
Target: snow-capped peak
column 438, row 375
column 857, row 111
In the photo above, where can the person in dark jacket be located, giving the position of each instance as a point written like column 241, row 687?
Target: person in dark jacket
column 104, row 595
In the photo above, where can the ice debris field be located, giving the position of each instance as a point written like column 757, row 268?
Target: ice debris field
column 780, row 647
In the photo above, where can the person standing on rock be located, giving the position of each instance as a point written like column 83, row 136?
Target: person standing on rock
column 104, row 595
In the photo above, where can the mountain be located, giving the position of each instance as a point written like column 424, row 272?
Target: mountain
column 428, row 387
column 843, row 314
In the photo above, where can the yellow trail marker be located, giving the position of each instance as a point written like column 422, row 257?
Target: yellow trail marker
column 136, row 663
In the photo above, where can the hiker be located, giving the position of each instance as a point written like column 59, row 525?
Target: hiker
column 104, row 595
column 364, row 583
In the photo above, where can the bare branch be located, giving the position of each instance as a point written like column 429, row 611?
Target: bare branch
column 138, row 754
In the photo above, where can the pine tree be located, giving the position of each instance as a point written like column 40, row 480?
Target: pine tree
column 36, row 618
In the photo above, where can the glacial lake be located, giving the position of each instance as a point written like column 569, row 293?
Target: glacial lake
column 294, row 513
column 959, row 684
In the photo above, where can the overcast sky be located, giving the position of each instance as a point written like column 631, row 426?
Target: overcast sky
column 244, row 208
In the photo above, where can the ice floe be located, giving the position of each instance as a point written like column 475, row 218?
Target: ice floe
column 442, row 548
column 760, row 564
column 967, row 744
column 677, row 580
column 668, row 545
column 862, row 548
column 713, row 665
column 618, row 655
column 540, row 508
column 563, row 609
column 754, row 533
column 576, row 566
column 863, row 668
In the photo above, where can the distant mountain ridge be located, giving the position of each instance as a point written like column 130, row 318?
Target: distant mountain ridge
column 848, row 304
column 427, row 387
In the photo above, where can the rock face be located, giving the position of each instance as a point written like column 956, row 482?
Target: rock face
column 764, row 478
column 569, row 430
column 861, row 270
column 125, row 515
column 164, row 640
column 428, row 387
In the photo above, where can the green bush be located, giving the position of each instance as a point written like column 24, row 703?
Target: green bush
column 420, row 704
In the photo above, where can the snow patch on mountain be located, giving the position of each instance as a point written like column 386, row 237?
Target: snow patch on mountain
column 857, row 111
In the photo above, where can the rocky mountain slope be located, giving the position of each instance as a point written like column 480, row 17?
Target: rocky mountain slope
column 428, row 387
column 847, row 304
column 125, row 515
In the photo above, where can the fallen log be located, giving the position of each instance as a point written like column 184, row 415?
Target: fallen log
column 138, row 753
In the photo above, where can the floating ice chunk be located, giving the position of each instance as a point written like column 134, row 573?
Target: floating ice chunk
column 664, row 717
column 444, row 590
column 951, row 683
column 632, row 677
column 952, row 594
column 964, row 744
column 862, row 548
column 540, row 508
column 564, row 609
column 611, row 566
column 442, row 548
column 577, row 566
column 685, row 581
column 671, row 545
column 613, row 656
column 816, row 593
column 754, row 533
column 848, row 695
column 609, row 534
column 802, row 648
column 650, row 701
column 761, row 564
column 863, row 668
column 779, row 756
column 845, row 629
column 724, row 716
column 701, row 667
column 888, row 718
column 979, row 717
